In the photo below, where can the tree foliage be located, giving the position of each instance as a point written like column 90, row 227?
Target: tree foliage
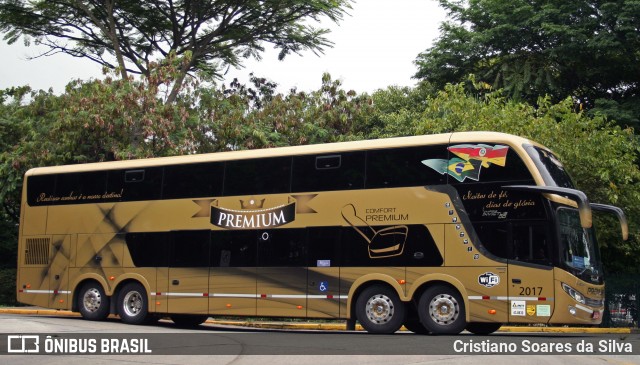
column 130, row 35
column 92, row 122
column 601, row 157
column 256, row 117
column 584, row 49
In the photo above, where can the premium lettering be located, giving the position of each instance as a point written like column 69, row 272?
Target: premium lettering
column 252, row 219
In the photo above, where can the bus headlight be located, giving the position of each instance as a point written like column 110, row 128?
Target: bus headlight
column 574, row 293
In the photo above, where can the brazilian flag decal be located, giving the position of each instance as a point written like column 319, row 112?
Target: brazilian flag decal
column 469, row 161
column 456, row 167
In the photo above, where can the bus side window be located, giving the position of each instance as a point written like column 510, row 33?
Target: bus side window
column 516, row 241
column 495, row 238
column 133, row 176
column 136, row 184
column 324, row 247
column 193, row 180
column 148, row 249
column 82, row 185
column 403, row 167
column 258, row 176
column 328, row 172
column 530, row 244
column 328, row 162
column 233, row 248
column 40, row 186
column 190, row 248
column 282, row 247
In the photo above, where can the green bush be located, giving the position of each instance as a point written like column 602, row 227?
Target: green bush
column 8, row 287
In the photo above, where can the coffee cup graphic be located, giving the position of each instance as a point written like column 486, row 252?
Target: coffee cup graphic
column 383, row 242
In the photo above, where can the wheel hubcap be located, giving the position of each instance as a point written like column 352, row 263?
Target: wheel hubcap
column 444, row 309
column 132, row 303
column 380, row 309
column 92, row 300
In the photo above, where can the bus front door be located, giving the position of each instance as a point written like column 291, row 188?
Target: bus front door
column 531, row 290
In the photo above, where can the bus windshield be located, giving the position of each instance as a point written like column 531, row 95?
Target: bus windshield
column 578, row 248
column 552, row 170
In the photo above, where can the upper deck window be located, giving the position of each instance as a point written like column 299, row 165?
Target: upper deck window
column 258, row 176
column 343, row 171
column 469, row 163
column 389, row 168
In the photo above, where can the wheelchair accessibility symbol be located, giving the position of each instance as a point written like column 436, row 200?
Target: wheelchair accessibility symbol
column 324, row 286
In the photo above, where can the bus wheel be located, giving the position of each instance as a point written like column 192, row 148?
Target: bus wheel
column 93, row 302
column 188, row 320
column 441, row 310
column 133, row 305
column 478, row 328
column 380, row 310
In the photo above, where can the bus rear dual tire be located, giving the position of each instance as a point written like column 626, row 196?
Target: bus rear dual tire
column 133, row 304
column 441, row 310
column 92, row 301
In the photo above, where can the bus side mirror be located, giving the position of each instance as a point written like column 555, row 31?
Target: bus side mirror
column 619, row 213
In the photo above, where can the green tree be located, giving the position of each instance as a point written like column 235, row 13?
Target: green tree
column 248, row 117
column 92, row 122
column 584, row 49
column 600, row 156
column 11, row 132
column 394, row 108
column 130, row 35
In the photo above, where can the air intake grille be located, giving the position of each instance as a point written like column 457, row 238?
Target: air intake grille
column 37, row 252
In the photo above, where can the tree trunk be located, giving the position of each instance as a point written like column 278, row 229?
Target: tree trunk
column 116, row 43
column 177, row 84
column 110, row 32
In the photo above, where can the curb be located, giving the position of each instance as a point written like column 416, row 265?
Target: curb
column 331, row 326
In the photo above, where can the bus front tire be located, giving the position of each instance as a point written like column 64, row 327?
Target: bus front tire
column 379, row 310
column 478, row 328
column 441, row 310
column 93, row 302
column 133, row 305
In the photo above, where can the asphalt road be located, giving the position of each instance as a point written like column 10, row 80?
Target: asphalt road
column 214, row 344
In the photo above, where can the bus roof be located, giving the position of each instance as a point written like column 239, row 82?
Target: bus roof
column 458, row 137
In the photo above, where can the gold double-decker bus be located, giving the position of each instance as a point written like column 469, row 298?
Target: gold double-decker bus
column 438, row 233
